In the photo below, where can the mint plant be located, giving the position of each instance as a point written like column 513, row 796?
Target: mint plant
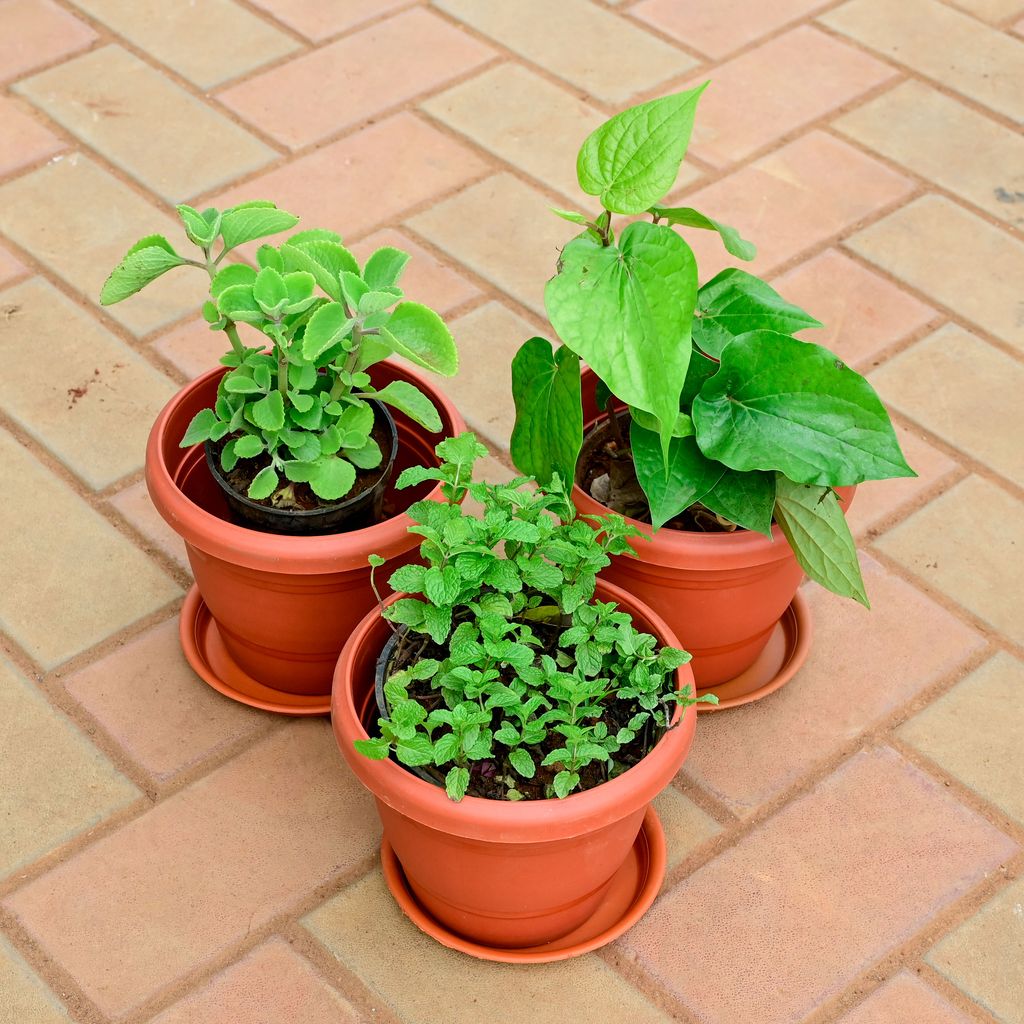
column 728, row 414
column 295, row 402
column 508, row 680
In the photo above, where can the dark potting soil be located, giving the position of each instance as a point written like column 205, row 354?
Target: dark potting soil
column 488, row 779
column 606, row 472
column 299, row 497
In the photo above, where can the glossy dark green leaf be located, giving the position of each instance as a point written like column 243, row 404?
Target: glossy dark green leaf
column 787, row 405
column 746, row 499
column 686, row 216
column 701, row 368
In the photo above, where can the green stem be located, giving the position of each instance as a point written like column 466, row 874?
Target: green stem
column 229, row 328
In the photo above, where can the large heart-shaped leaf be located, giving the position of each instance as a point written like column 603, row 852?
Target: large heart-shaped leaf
column 781, row 404
column 631, row 161
column 548, row 433
column 688, row 476
column 735, row 302
column 735, row 244
column 746, row 499
column 817, row 531
column 145, row 261
column 419, row 334
column 626, row 310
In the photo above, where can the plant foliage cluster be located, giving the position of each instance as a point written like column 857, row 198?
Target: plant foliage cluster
column 518, row 676
column 728, row 409
column 297, row 399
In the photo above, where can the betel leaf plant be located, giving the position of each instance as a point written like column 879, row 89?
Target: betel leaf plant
column 730, row 421
column 295, row 407
column 506, row 679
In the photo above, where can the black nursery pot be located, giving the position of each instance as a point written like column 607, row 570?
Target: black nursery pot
column 363, row 510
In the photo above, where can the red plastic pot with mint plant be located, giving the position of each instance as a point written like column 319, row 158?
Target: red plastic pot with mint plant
column 530, row 713
column 277, row 468
column 734, row 444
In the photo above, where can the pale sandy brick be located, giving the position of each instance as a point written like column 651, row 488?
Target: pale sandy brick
column 192, row 347
column 319, row 19
column 686, row 825
column 26, row 999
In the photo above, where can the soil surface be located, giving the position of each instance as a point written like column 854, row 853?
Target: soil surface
column 491, row 779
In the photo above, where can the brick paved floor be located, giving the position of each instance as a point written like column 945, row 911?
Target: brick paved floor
column 848, row 850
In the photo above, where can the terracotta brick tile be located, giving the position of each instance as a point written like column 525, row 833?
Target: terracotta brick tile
column 877, row 499
column 366, row 179
column 972, row 415
column 577, row 41
column 192, row 347
column 206, row 43
column 718, row 29
column 755, row 98
column 149, row 699
column 356, row 77
column 426, row 279
column 983, row 956
column 363, row 927
column 24, row 140
column 82, row 242
column 686, row 825
column 947, row 142
column 523, row 119
column 37, row 32
column 26, row 999
column 937, row 247
column 974, row 732
column 862, row 312
column 504, row 230
column 790, row 200
column 792, row 913
column 1018, row 27
column 135, row 505
column 62, row 559
column 272, row 985
column 989, row 10
column 862, row 666
column 904, row 1000
column 952, row 48
column 53, row 783
column 969, row 543
column 11, row 268
column 93, row 400
column 110, row 99
column 318, row 19
column 175, row 887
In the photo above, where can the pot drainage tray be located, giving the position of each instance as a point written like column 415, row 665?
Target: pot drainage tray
column 205, row 652
column 781, row 659
column 633, row 889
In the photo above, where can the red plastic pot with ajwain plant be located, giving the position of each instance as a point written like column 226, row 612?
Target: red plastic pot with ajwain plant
column 698, row 415
column 277, row 468
column 513, row 717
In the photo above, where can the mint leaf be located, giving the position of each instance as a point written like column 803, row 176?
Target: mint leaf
column 522, row 762
column 144, row 262
column 420, row 335
column 564, row 783
column 456, row 783
column 376, row 749
column 735, row 244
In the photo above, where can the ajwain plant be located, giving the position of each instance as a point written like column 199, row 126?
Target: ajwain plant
column 508, row 681
column 296, row 400
column 728, row 413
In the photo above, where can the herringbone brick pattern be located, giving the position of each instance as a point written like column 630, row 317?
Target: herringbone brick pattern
column 847, row 850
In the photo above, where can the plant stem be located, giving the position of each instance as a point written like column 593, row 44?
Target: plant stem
column 229, row 327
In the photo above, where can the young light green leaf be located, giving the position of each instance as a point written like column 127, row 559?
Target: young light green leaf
column 199, row 230
column 324, row 260
column 245, row 222
column 814, row 525
column 420, row 335
column 268, row 256
column 248, row 446
column 631, row 161
column 264, row 484
column 746, row 499
column 199, row 429
column 144, row 262
column 735, row 244
column 735, row 302
column 353, row 287
column 300, row 287
column 408, row 398
column 564, row 783
column 269, row 291
column 231, row 275
column 331, row 477
column 626, row 311
column 569, row 215
column 268, row 412
column 385, row 267
column 787, row 405
column 328, row 326
column 523, row 763
column 687, row 478
column 548, row 432
column 238, row 303
column 376, row 749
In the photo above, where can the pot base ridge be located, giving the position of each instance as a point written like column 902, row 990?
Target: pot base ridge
column 632, row 890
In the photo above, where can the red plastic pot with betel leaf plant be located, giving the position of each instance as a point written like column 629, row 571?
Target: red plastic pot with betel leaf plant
column 528, row 714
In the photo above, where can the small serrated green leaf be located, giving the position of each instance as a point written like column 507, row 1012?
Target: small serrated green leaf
column 144, row 262
column 264, row 484
column 199, row 429
column 268, row 412
column 408, row 398
column 456, row 783
column 385, row 267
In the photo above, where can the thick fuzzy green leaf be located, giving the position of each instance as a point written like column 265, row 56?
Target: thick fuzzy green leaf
column 420, row 335
column 746, row 499
column 385, row 267
column 409, row 399
column 548, row 432
column 200, row 427
column 735, row 302
column 328, row 326
column 626, row 311
column 144, row 262
column 787, row 405
column 231, row 275
column 263, row 484
column 631, row 161
column 269, row 291
column 687, row 478
column 331, row 477
column 238, row 303
column 200, row 231
column 817, row 530
column 324, row 260
column 245, row 223
column 735, row 244
column 268, row 412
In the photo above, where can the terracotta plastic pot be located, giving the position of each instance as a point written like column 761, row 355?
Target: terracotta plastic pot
column 722, row 594
column 504, row 874
column 282, row 605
